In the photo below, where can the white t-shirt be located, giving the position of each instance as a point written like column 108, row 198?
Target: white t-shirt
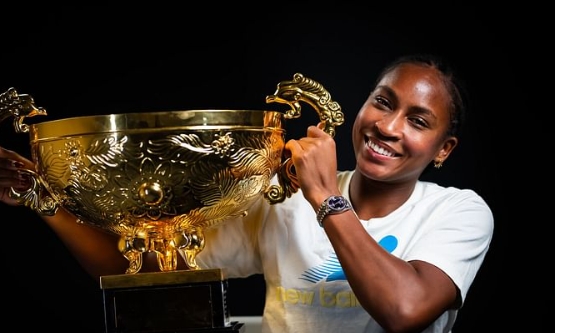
column 306, row 289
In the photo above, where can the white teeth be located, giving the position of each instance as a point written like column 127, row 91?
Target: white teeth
column 379, row 150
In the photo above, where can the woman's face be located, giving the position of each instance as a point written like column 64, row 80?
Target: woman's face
column 402, row 126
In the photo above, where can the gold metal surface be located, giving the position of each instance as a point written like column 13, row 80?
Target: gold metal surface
column 159, row 179
column 160, row 278
column 20, row 107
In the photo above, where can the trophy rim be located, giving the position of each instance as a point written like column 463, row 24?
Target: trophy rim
column 198, row 119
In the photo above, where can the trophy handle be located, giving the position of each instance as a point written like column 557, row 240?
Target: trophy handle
column 20, row 107
column 301, row 89
column 34, row 197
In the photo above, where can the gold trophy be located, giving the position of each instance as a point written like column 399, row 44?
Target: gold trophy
column 159, row 180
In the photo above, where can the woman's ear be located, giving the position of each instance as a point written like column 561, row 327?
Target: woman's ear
column 449, row 144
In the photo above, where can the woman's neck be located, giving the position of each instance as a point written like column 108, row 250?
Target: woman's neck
column 371, row 198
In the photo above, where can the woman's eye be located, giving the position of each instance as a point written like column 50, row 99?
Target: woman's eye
column 382, row 101
column 419, row 122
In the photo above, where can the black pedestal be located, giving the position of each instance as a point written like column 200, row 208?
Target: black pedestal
column 167, row 302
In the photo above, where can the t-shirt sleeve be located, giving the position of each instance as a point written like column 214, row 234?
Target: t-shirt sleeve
column 233, row 244
column 456, row 238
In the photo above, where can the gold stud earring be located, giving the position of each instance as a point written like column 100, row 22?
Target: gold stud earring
column 438, row 164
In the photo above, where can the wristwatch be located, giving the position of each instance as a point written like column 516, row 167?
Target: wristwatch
column 334, row 204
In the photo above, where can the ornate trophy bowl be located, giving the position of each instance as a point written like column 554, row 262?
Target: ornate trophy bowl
column 159, row 179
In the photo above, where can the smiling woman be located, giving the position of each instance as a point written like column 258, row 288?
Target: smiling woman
column 424, row 253
column 102, row 59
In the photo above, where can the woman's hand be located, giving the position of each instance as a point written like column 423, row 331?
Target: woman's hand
column 314, row 159
column 10, row 176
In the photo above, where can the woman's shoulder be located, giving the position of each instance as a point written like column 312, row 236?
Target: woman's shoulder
column 450, row 195
column 423, row 188
column 428, row 187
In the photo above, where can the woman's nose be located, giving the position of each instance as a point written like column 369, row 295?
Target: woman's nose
column 389, row 125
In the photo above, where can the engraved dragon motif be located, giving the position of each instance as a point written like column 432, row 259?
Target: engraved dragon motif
column 303, row 89
column 18, row 106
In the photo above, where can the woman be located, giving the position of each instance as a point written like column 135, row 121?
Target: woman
column 372, row 250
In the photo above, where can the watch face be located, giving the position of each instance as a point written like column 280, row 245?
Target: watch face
column 337, row 203
column 332, row 205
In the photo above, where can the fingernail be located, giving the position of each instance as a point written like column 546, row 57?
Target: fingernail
column 17, row 164
column 22, row 175
column 24, row 181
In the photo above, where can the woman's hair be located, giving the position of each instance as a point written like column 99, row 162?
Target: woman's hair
column 453, row 84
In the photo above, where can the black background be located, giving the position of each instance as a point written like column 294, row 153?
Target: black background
column 108, row 59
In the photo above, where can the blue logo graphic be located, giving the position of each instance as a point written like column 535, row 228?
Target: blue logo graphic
column 331, row 270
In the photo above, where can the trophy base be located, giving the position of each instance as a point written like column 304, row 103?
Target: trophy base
column 162, row 302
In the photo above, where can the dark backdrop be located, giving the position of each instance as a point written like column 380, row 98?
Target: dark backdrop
column 104, row 59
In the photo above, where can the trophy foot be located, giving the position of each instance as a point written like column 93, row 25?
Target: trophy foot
column 135, row 259
column 166, row 256
column 129, row 251
column 190, row 259
column 192, row 246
